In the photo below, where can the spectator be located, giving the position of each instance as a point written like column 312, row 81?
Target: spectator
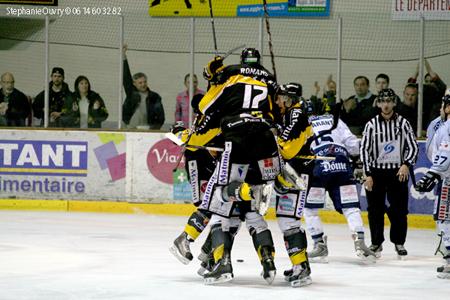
column 59, row 92
column 142, row 107
column 408, row 108
column 328, row 100
column 14, row 106
column 358, row 109
column 182, row 107
column 85, row 109
column 381, row 82
column 433, row 90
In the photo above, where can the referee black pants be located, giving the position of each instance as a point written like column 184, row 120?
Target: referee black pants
column 386, row 183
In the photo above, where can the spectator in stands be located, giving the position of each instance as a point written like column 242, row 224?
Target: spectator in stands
column 433, row 91
column 59, row 93
column 85, row 109
column 14, row 106
column 328, row 98
column 183, row 103
column 408, row 107
column 142, row 108
column 381, row 82
column 358, row 109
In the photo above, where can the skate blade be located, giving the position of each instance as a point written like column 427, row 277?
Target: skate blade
column 370, row 259
column 318, row 259
column 202, row 271
column 301, row 282
column 269, row 279
column 443, row 275
column 401, row 257
column 173, row 249
column 222, row 279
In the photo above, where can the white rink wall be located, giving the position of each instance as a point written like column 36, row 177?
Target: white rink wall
column 87, row 165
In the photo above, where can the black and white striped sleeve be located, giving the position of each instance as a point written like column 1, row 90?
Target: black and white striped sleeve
column 366, row 146
column 411, row 148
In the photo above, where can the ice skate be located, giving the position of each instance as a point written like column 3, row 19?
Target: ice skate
column 181, row 250
column 376, row 249
column 269, row 270
column 362, row 251
column 444, row 271
column 401, row 252
column 320, row 252
column 207, row 263
column 222, row 272
column 300, row 275
column 287, row 274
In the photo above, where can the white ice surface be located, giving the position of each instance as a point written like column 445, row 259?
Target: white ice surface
column 53, row 255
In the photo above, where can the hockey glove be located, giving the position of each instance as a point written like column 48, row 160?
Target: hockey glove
column 177, row 127
column 212, row 68
column 427, row 182
column 357, row 167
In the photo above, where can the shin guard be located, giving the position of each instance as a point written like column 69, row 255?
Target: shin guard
column 197, row 223
column 220, row 242
column 296, row 244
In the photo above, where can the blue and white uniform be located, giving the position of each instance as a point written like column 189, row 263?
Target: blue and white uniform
column 333, row 176
column 438, row 145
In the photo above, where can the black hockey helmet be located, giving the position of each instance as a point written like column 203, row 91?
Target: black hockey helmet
column 293, row 91
column 250, row 56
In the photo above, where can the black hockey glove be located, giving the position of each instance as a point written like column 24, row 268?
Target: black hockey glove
column 177, row 127
column 427, row 182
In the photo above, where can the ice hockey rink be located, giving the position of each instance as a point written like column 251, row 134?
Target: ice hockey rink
column 56, row 255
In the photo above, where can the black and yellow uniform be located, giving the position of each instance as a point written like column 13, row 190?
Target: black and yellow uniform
column 294, row 139
column 242, row 105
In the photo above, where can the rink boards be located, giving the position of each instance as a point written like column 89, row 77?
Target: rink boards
column 126, row 172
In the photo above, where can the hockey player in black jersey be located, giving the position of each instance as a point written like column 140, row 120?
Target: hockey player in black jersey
column 243, row 106
column 293, row 140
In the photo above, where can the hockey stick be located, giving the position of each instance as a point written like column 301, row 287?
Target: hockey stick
column 213, row 28
column 178, row 142
column 315, row 157
column 269, row 33
column 232, row 50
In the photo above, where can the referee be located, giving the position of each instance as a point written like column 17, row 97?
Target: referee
column 388, row 150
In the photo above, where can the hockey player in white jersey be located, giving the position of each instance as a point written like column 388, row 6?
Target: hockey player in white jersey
column 438, row 151
column 335, row 177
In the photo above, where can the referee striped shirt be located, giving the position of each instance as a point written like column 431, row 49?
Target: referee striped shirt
column 387, row 144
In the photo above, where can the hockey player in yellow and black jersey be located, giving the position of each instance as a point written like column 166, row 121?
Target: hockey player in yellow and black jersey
column 242, row 105
column 294, row 140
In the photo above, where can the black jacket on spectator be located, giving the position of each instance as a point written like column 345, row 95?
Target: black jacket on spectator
column 71, row 111
column 18, row 108
column 357, row 118
column 432, row 99
column 56, row 102
column 155, row 109
column 409, row 113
